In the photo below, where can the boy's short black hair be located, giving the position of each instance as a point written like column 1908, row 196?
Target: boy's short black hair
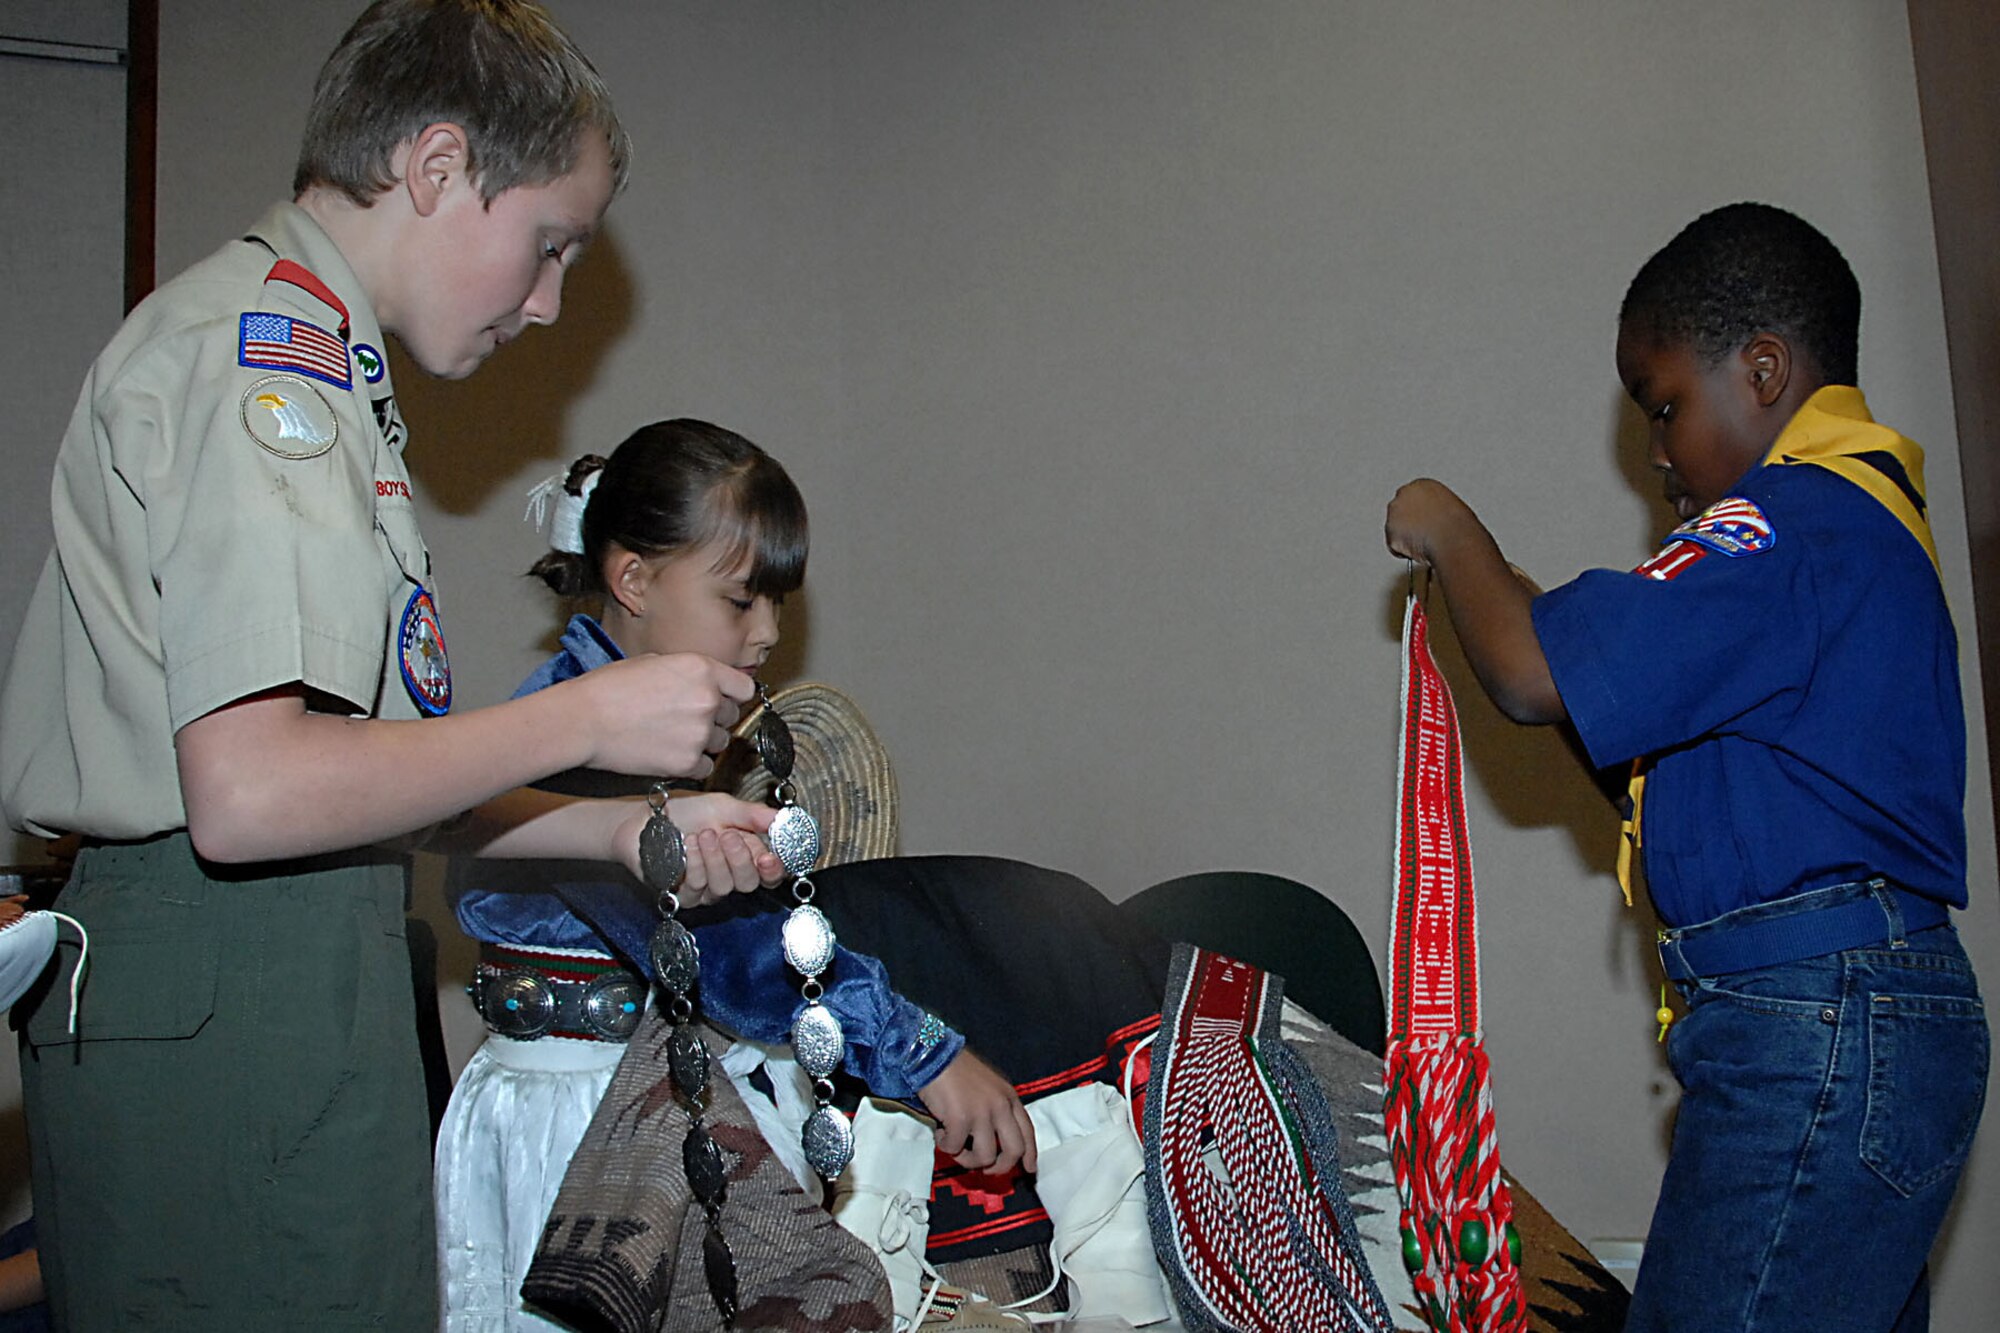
column 1748, row 268
column 501, row 69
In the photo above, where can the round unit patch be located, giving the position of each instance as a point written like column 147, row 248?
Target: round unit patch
column 370, row 361
column 289, row 417
column 420, row 648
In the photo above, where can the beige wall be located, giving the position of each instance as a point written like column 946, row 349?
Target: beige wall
column 62, row 200
column 1098, row 335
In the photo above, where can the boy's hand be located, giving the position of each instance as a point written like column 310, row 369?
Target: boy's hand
column 663, row 716
column 724, row 840
column 1424, row 515
column 981, row 1123
column 1491, row 602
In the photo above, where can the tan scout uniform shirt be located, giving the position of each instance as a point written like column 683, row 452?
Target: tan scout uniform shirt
column 228, row 519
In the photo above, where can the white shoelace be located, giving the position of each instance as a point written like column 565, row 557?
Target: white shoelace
column 82, row 957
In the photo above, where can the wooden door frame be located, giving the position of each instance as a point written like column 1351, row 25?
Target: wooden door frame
column 1956, row 45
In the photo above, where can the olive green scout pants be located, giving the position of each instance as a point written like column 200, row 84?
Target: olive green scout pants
column 237, row 1136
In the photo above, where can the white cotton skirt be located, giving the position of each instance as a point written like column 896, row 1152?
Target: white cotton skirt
column 515, row 1119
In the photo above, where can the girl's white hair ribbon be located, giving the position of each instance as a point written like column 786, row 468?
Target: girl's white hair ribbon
column 566, row 523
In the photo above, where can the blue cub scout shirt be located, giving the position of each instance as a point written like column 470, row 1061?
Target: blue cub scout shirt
column 1794, row 679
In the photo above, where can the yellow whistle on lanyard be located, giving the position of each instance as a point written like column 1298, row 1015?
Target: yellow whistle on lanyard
column 1628, row 844
column 1629, row 828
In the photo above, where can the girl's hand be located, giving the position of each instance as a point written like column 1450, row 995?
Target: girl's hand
column 981, row 1123
column 662, row 716
column 724, row 840
column 1423, row 516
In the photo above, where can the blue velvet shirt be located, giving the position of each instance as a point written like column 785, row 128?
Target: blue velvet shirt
column 746, row 985
column 1798, row 697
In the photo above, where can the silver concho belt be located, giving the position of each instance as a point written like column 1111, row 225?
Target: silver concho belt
column 523, row 1001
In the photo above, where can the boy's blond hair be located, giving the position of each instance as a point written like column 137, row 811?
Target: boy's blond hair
column 501, row 69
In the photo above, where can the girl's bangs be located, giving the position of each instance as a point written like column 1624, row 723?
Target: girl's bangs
column 774, row 544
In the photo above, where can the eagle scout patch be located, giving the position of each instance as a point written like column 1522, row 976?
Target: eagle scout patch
column 1732, row 527
column 279, row 342
column 370, row 361
column 289, row 417
column 420, row 647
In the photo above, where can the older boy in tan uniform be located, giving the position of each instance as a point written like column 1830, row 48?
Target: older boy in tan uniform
column 300, row 509
column 233, row 682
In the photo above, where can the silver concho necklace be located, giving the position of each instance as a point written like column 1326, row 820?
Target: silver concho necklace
column 817, row 1039
column 676, row 970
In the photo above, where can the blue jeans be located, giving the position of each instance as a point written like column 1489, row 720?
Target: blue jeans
column 1826, row 1110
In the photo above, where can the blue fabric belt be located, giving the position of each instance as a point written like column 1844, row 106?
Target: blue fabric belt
column 1852, row 916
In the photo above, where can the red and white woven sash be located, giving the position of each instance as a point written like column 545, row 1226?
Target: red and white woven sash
column 1459, row 1241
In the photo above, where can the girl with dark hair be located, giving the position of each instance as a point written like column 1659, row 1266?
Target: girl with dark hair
column 692, row 536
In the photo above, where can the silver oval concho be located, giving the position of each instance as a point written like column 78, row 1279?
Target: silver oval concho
column 687, row 1060
column 662, row 854
column 701, row 1159
column 518, row 1003
column 795, row 838
column 774, row 743
column 829, row 1141
column 808, row 938
column 676, row 957
column 611, row 1006
column 817, row 1040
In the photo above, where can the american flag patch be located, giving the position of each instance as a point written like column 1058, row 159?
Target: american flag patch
column 1731, row 527
column 279, row 342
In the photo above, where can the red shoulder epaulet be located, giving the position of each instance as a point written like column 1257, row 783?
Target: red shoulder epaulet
column 287, row 270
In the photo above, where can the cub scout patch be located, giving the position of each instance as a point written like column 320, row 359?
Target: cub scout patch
column 420, row 646
column 279, row 342
column 1732, row 526
column 370, row 362
column 288, row 417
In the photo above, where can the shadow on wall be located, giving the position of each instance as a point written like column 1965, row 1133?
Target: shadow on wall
column 477, row 436
column 788, row 660
column 1631, row 454
column 1531, row 775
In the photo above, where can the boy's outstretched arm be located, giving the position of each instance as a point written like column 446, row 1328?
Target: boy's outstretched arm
column 266, row 778
column 1488, row 601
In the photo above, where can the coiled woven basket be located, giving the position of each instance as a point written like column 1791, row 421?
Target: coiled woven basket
column 842, row 772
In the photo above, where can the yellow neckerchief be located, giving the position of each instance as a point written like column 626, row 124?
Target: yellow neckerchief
column 1833, row 430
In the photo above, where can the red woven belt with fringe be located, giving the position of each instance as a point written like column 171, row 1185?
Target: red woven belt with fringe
column 1459, row 1241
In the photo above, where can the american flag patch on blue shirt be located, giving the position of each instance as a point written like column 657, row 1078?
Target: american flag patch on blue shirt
column 279, row 342
column 1732, row 526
